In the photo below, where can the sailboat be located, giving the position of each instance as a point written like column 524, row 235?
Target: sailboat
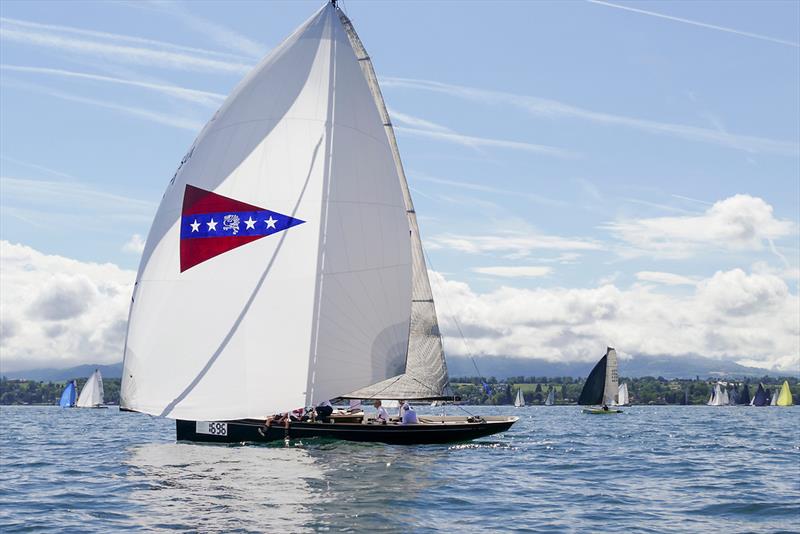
column 284, row 266
column 760, row 398
column 719, row 396
column 785, row 396
column 712, row 398
column 623, row 399
column 602, row 385
column 67, row 399
column 520, row 400
column 551, row 397
column 92, row 393
column 744, row 396
column 725, row 400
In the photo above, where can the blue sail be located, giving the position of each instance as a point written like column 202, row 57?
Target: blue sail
column 68, row 397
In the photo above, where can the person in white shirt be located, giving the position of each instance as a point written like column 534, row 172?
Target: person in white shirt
column 382, row 416
column 409, row 415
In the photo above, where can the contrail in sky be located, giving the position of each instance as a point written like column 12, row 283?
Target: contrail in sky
column 696, row 23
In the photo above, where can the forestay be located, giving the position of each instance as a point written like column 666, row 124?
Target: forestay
column 288, row 315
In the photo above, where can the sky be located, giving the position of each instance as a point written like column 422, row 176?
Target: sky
column 585, row 173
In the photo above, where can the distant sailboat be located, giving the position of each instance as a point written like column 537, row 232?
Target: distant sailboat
column 760, row 398
column 602, row 384
column 68, row 395
column 744, row 396
column 551, row 397
column 718, row 397
column 785, row 397
column 725, row 399
column 712, row 398
column 92, row 393
column 520, row 401
column 623, row 399
column 774, row 400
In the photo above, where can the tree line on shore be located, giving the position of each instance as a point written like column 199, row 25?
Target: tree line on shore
column 471, row 390
column 642, row 390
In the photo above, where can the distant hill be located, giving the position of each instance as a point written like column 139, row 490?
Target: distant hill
column 54, row 375
column 501, row 367
column 666, row 366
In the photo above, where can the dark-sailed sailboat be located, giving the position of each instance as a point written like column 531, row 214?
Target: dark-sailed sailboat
column 760, row 398
column 744, row 395
column 602, row 385
column 284, row 267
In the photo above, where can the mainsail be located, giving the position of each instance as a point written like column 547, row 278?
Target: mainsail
column 285, row 315
column 551, row 397
column 425, row 376
column 612, row 377
column 92, row 392
column 67, row 399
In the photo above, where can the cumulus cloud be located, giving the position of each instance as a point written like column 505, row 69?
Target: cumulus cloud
column 740, row 222
column 525, row 271
column 135, row 245
column 59, row 312
column 732, row 315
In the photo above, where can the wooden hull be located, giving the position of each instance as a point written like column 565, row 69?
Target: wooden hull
column 432, row 430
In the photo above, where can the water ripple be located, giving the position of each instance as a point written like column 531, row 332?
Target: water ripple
column 651, row 469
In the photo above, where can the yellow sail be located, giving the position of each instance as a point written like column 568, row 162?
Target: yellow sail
column 785, row 398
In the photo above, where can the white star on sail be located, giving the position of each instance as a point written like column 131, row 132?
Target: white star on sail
column 212, row 225
column 250, row 224
column 195, row 226
column 271, row 222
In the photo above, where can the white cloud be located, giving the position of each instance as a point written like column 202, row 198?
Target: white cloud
column 522, row 271
column 543, row 107
column 517, row 244
column 59, row 312
column 135, row 245
column 697, row 23
column 212, row 30
column 741, row 222
column 112, row 50
column 158, row 117
column 191, row 95
column 669, row 279
column 732, row 315
column 478, row 142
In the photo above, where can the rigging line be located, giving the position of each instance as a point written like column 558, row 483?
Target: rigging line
column 458, row 325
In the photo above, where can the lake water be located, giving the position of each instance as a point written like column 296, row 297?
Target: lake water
column 651, row 469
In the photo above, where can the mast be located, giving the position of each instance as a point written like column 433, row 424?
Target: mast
column 425, row 375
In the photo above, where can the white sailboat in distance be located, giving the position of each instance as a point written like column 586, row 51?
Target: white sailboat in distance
column 284, row 266
column 92, row 395
column 520, row 400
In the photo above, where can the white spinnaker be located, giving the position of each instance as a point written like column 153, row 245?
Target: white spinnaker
column 92, row 392
column 612, row 378
column 302, row 315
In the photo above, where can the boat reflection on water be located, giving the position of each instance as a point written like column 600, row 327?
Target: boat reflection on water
column 223, row 488
column 289, row 488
